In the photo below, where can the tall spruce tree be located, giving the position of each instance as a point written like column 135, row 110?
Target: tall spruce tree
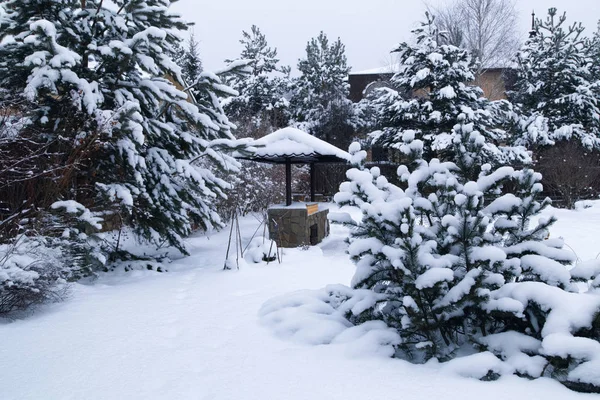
column 320, row 103
column 460, row 265
column 555, row 81
column 439, row 248
column 430, row 94
column 187, row 57
column 94, row 86
column 594, row 55
column 261, row 104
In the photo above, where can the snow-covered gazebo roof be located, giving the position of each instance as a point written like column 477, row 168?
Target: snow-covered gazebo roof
column 291, row 145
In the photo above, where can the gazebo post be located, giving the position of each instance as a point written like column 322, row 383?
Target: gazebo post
column 288, row 182
column 312, row 181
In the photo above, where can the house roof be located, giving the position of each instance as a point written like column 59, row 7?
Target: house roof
column 294, row 146
column 388, row 69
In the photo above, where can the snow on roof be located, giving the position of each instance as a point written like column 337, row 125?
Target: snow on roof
column 293, row 144
column 388, row 69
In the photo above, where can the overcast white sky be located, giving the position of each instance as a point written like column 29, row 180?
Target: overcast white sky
column 368, row 28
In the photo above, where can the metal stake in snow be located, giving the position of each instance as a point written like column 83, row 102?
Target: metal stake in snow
column 239, row 251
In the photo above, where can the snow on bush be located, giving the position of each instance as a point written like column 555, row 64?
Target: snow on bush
column 31, row 272
column 260, row 249
column 320, row 317
column 460, row 268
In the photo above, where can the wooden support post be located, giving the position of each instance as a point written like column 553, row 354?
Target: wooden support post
column 288, row 182
column 312, row 181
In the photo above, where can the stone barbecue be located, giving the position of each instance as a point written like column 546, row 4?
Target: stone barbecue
column 298, row 225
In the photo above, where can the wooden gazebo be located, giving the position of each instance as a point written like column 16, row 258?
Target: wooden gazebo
column 300, row 224
column 292, row 146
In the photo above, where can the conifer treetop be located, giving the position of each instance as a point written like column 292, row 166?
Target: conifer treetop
column 556, row 81
column 432, row 96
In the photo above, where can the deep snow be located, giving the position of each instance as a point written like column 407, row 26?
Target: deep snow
column 194, row 333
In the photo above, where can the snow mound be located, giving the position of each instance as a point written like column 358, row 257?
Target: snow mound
column 261, row 249
column 317, row 317
column 483, row 366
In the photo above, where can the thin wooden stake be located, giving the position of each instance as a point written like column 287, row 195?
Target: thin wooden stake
column 239, row 232
column 229, row 243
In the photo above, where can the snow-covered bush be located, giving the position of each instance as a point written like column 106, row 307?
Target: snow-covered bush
column 320, row 317
column 49, row 249
column 460, row 266
column 261, row 249
column 31, row 272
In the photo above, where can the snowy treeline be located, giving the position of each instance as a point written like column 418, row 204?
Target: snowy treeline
column 268, row 98
column 316, row 101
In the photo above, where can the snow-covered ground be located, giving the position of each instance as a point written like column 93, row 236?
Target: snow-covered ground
column 194, row 333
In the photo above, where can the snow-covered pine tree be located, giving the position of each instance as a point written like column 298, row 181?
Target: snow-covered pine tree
column 432, row 92
column 187, row 57
column 437, row 249
column 259, row 108
column 320, row 103
column 461, row 265
column 95, row 87
column 555, row 81
column 594, row 53
column 261, row 104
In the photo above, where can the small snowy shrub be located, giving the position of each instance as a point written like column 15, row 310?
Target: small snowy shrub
column 261, row 249
column 50, row 248
column 31, row 272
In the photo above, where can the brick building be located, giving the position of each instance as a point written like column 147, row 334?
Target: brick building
column 494, row 82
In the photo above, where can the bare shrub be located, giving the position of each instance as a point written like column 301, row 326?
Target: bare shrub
column 487, row 28
column 254, row 189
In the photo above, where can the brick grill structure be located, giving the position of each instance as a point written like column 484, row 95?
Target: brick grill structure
column 297, row 226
